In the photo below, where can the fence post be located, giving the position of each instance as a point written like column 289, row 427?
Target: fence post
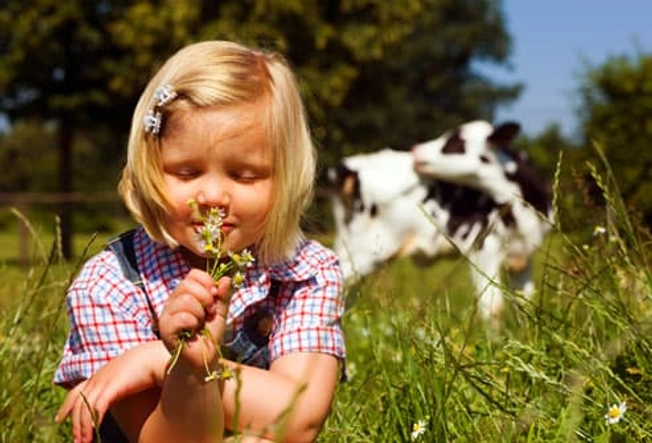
column 23, row 235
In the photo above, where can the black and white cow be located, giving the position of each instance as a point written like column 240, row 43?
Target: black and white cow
column 486, row 203
column 482, row 157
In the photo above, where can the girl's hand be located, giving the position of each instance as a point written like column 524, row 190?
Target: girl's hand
column 197, row 303
column 134, row 371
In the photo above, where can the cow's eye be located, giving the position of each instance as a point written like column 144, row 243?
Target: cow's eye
column 373, row 211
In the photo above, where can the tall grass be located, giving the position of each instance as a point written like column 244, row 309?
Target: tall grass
column 417, row 351
column 33, row 327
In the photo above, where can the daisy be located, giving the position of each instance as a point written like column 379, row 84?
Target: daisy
column 211, row 240
column 418, row 429
column 615, row 413
column 599, row 230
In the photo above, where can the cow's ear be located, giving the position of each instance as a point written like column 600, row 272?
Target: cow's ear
column 505, row 133
column 338, row 174
column 349, row 185
column 346, row 180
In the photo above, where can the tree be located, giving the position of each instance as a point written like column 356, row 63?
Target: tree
column 570, row 189
column 381, row 73
column 30, row 168
column 543, row 149
column 424, row 82
column 63, row 62
column 616, row 113
column 373, row 73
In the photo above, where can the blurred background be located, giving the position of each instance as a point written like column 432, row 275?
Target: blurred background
column 373, row 74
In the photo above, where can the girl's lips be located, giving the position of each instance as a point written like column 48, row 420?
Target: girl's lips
column 226, row 227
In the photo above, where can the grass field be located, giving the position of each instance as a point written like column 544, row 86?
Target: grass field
column 417, row 354
column 581, row 346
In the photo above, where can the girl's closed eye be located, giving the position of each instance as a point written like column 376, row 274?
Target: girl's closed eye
column 246, row 176
column 184, row 173
column 249, row 174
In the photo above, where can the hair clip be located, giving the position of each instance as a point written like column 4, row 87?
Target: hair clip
column 152, row 122
column 164, row 95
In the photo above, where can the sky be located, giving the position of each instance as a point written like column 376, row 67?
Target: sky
column 552, row 42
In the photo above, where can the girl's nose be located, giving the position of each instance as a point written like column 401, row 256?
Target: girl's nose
column 213, row 194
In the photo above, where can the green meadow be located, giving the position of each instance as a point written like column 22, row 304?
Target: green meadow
column 421, row 366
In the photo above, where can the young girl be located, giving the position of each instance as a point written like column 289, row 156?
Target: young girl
column 223, row 126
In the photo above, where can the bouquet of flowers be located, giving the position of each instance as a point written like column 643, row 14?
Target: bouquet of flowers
column 220, row 263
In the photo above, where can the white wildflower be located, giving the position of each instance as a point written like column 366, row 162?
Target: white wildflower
column 599, row 230
column 418, row 429
column 615, row 413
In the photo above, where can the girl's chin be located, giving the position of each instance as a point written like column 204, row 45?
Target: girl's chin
column 194, row 255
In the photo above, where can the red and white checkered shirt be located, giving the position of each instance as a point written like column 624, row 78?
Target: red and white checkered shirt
column 108, row 314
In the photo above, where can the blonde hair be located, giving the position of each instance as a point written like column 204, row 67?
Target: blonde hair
column 221, row 73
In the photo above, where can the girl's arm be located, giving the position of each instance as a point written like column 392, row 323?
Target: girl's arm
column 139, row 369
column 185, row 407
column 298, row 391
column 190, row 406
column 299, row 387
column 288, row 403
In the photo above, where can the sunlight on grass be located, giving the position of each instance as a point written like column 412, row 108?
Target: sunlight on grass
column 419, row 359
column 572, row 365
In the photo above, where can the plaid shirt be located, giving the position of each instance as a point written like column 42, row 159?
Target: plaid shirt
column 108, row 314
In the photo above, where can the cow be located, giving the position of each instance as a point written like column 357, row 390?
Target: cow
column 481, row 156
column 388, row 204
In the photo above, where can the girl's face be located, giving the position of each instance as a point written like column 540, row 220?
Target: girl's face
column 220, row 157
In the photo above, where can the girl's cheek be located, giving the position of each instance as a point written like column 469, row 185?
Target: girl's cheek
column 180, row 199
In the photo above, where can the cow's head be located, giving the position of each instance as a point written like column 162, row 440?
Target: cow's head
column 474, row 154
column 482, row 156
column 376, row 205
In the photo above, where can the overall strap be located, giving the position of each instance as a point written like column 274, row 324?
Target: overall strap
column 274, row 288
column 123, row 247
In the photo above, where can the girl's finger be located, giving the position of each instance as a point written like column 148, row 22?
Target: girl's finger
column 224, row 288
column 201, row 279
column 188, row 304
column 190, row 290
column 69, row 402
column 86, row 418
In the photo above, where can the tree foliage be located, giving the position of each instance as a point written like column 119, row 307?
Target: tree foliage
column 617, row 117
column 29, row 154
column 373, row 73
column 556, row 158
